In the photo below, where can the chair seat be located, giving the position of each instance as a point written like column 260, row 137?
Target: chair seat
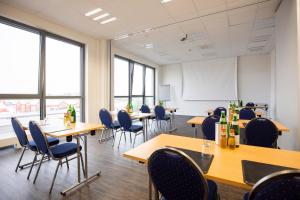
column 116, row 125
column 212, row 191
column 136, row 128
column 63, row 150
column 51, row 141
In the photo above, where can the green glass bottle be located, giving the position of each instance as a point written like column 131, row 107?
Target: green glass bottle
column 235, row 126
column 73, row 115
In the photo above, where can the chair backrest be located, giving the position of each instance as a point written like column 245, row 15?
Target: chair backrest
column 261, row 132
column 279, row 185
column 124, row 120
column 208, row 126
column 218, row 111
column 19, row 131
column 38, row 137
column 160, row 112
column 247, row 113
column 250, row 104
column 176, row 176
column 145, row 109
column 105, row 118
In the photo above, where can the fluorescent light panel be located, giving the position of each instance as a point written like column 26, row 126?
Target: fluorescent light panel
column 100, row 16
column 92, row 12
column 121, row 37
column 108, row 20
column 148, row 45
column 165, row 1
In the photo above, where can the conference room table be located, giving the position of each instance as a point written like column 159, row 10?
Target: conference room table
column 78, row 131
column 226, row 166
column 195, row 122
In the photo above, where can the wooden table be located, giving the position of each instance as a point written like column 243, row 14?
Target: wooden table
column 76, row 130
column 226, row 166
column 196, row 121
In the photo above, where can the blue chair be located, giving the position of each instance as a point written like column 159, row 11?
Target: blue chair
column 25, row 144
column 218, row 111
column 247, row 113
column 161, row 116
column 107, row 120
column 250, row 104
column 177, row 177
column 58, row 152
column 208, row 127
column 145, row 109
column 261, row 132
column 277, row 186
column 127, row 126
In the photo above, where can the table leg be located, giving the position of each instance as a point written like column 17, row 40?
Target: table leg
column 195, row 131
column 172, row 119
column 78, row 159
column 87, row 179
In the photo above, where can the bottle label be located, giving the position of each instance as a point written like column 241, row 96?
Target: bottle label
column 237, row 140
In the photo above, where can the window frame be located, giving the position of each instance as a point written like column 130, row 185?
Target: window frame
column 131, row 75
column 41, row 95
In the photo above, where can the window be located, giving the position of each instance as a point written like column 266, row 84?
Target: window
column 133, row 81
column 41, row 74
column 20, row 59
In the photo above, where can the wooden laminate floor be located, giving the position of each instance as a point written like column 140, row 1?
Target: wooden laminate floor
column 120, row 179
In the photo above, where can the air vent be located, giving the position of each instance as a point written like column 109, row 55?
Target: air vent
column 261, row 38
column 265, row 23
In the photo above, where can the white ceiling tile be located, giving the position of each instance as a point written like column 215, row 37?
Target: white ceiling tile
column 242, row 15
column 205, row 7
column 181, row 9
column 240, row 3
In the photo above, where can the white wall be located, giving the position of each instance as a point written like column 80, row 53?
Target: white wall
column 253, row 85
column 287, row 73
column 96, row 58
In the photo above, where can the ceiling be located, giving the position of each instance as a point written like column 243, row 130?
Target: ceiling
column 214, row 28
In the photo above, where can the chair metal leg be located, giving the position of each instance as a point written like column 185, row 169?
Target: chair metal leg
column 59, row 162
column 130, row 138
column 34, row 159
column 82, row 164
column 67, row 162
column 125, row 136
column 20, row 159
column 113, row 134
column 120, row 138
column 38, row 170
column 134, row 139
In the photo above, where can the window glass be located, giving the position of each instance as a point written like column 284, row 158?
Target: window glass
column 55, row 108
column 149, row 82
column 62, row 68
column 138, row 83
column 19, row 63
column 121, row 77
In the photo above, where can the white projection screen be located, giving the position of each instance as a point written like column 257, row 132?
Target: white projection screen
column 210, row 79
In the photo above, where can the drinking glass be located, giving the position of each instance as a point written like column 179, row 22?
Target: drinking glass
column 206, row 149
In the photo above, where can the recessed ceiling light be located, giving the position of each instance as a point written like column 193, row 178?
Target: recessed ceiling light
column 148, row 45
column 165, row 1
column 108, row 20
column 148, row 30
column 121, row 37
column 92, row 12
column 100, row 16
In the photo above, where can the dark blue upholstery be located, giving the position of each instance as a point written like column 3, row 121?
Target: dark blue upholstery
column 208, row 126
column 126, row 122
column 106, row 119
column 261, row 132
column 38, row 138
column 63, row 150
column 160, row 113
column 51, row 141
column 247, row 113
column 177, row 178
column 19, row 131
column 284, row 185
column 145, row 109
column 218, row 111
column 250, row 104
